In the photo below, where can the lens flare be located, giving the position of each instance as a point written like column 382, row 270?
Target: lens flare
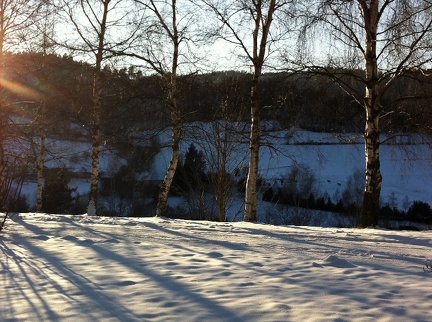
column 23, row 91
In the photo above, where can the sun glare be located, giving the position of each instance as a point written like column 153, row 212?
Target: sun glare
column 20, row 89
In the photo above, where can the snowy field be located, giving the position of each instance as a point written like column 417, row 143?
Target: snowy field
column 79, row 268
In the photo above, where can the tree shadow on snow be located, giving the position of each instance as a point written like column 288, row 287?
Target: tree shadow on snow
column 95, row 299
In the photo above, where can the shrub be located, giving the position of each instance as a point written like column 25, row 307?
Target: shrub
column 298, row 187
column 354, row 189
column 420, row 211
column 56, row 194
column 19, row 205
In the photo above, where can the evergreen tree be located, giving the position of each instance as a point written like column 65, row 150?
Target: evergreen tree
column 420, row 211
column 56, row 194
column 191, row 174
column 195, row 167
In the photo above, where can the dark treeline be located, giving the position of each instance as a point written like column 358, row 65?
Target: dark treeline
column 133, row 102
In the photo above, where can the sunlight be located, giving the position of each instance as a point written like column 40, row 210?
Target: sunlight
column 20, row 89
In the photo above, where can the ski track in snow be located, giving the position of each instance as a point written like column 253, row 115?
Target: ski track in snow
column 80, row 268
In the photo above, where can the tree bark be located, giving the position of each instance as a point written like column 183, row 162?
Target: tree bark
column 170, row 81
column 97, row 106
column 175, row 156
column 260, row 39
column 371, row 200
column 254, row 145
column 95, row 139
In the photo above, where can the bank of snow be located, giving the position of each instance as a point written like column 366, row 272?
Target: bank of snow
column 79, row 268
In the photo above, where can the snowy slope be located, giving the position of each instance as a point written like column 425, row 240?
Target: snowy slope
column 406, row 166
column 79, row 268
column 406, row 163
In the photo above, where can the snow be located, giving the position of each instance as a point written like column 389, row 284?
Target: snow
column 82, row 268
column 405, row 161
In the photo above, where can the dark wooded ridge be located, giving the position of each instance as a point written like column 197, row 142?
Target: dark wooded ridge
column 132, row 101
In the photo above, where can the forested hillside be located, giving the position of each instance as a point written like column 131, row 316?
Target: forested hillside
column 99, row 91
column 133, row 101
column 133, row 119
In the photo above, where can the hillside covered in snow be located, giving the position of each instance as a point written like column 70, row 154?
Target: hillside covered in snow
column 331, row 159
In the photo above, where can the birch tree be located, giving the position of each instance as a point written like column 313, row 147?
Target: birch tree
column 15, row 18
column 220, row 139
column 98, row 25
column 247, row 25
column 164, row 46
column 44, row 27
column 386, row 40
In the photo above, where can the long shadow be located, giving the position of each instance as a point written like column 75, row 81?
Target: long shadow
column 356, row 246
column 94, row 298
column 84, row 227
column 225, row 244
column 8, row 278
column 336, row 289
column 52, row 315
column 201, row 241
column 179, row 290
column 62, row 226
column 423, row 241
column 293, row 238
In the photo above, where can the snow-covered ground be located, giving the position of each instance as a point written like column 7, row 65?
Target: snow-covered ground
column 80, row 268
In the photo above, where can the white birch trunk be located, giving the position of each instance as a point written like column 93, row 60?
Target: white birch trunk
column 370, row 207
column 169, row 176
column 254, row 145
column 260, row 36
column 170, row 80
column 97, row 106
